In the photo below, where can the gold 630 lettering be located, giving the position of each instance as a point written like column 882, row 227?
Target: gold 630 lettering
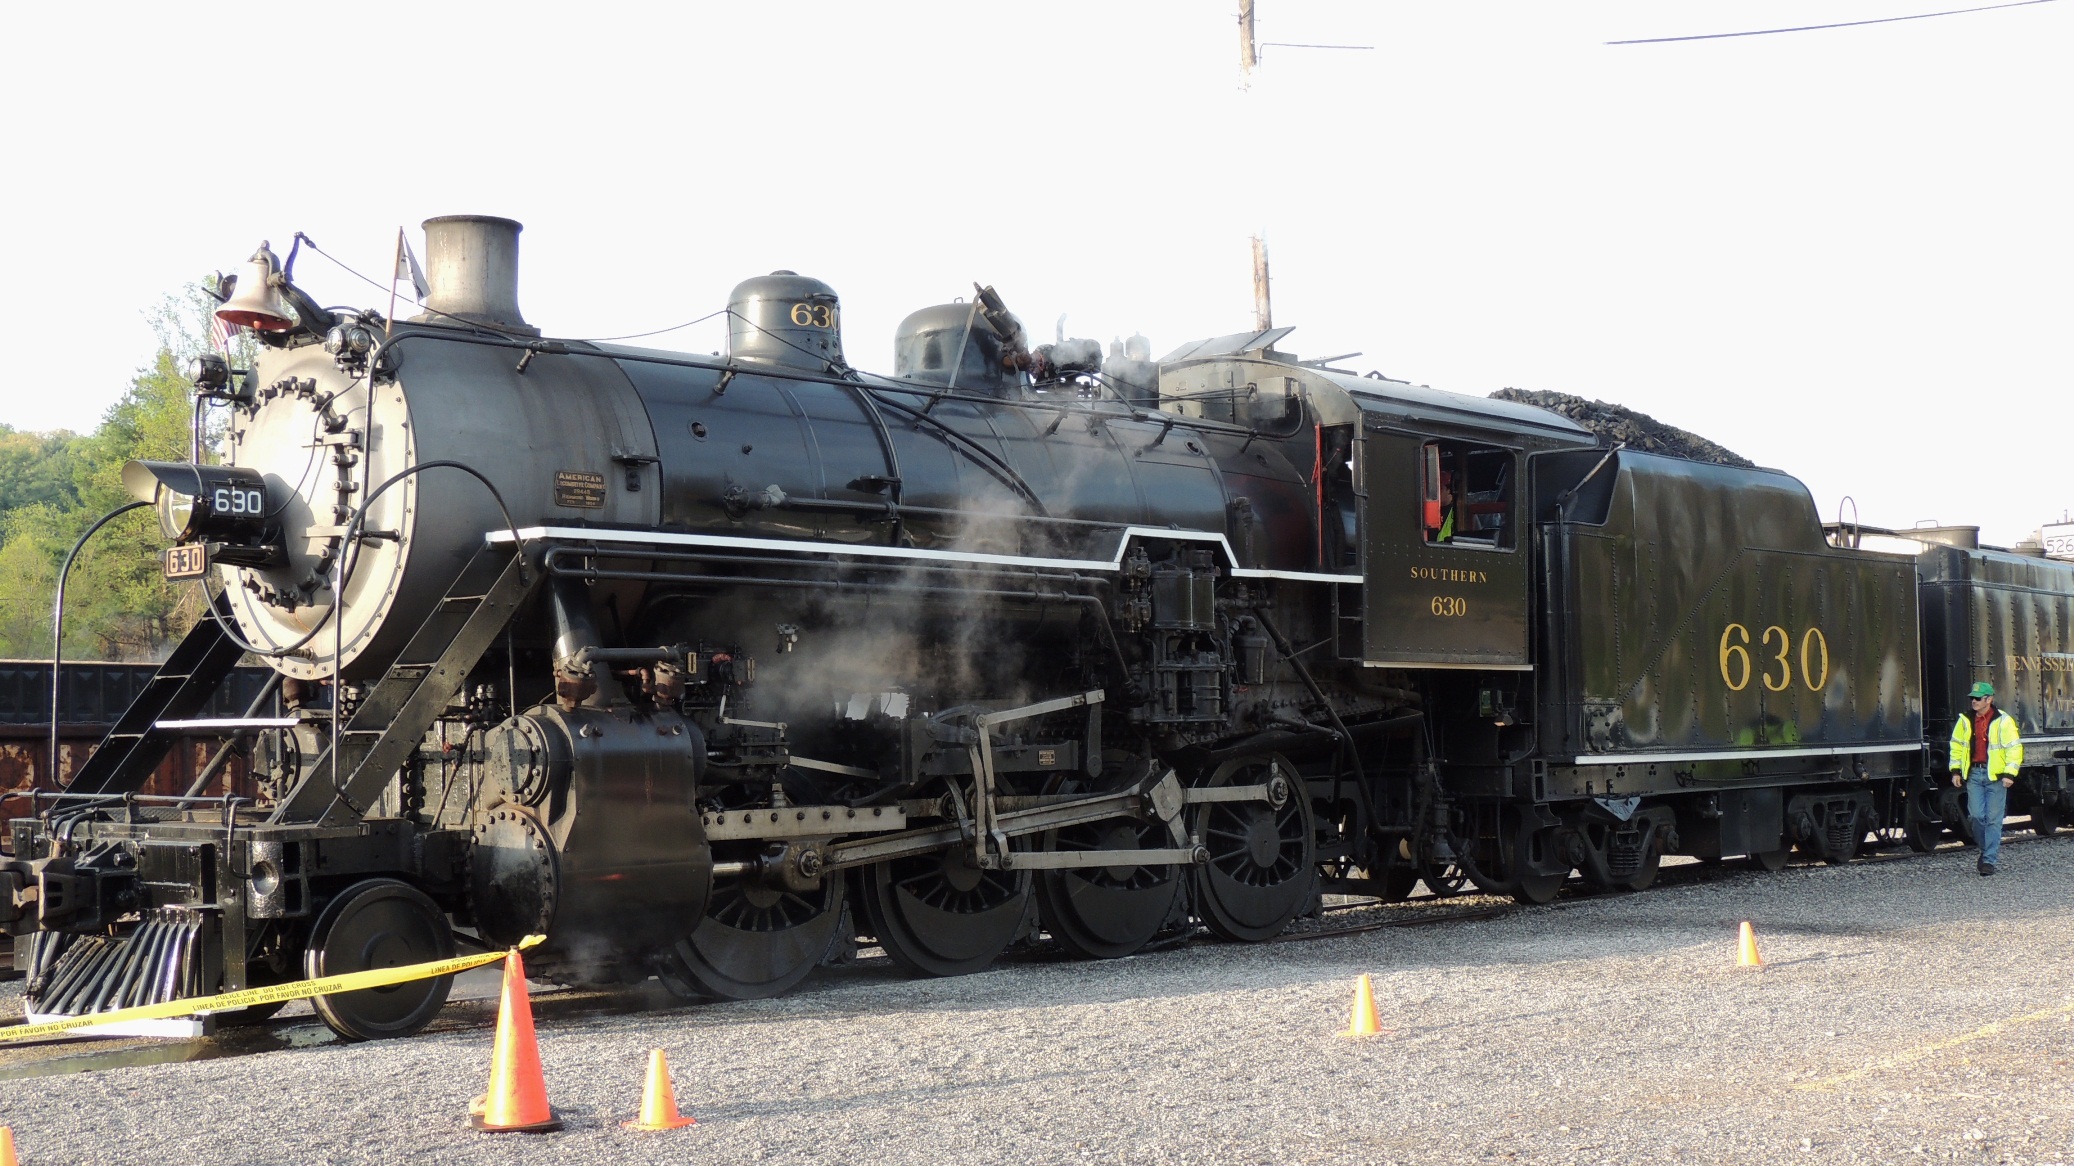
column 1774, row 662
column 1449, row 605
column 813, row 315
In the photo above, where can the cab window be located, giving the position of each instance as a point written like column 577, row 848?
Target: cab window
column 1465, row 494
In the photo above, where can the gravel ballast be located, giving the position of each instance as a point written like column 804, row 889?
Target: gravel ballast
column 1910, row 1010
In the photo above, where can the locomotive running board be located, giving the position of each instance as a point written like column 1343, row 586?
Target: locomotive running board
column 601, row 536
column 393, row 717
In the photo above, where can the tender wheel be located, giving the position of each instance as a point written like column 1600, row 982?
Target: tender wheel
column 1838, row 858
column 941, row 915
column 1951, row 802
column 1398, row 882
column 1922, row 834
column 1645, row 876
column 755, row 941
column 2045, row 822
column 1535, row 890
column 380, row 923
column 1773, row 860
column 1446, row 882
column 1105, row 912
column 1533, row 884
column 1261, row 873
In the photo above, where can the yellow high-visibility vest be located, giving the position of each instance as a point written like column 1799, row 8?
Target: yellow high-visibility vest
column 2005, row 748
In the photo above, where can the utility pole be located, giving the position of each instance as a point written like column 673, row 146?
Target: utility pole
column 1263, row 307
column 1248, row 58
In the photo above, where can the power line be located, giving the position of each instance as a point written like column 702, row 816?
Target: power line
column 1658, row 40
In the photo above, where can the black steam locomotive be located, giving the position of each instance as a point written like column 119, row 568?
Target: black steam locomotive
column 698, row 665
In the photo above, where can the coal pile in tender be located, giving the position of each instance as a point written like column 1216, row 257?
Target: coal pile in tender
column 1616, row 423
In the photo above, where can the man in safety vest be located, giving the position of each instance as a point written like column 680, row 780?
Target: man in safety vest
column 1986, row 754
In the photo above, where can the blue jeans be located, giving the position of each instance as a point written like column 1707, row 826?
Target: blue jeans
column 1986, row 801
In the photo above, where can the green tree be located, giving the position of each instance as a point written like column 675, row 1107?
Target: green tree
column 118, row 606
column 35, row 467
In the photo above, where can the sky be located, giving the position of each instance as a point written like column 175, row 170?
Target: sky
column 1842, row 253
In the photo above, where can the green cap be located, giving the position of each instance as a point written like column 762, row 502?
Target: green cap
column 1982, row 688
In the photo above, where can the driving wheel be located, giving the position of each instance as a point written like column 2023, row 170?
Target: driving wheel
column 1105, row 912
column 939, row 914
column 1261, row 869
column 755, row 941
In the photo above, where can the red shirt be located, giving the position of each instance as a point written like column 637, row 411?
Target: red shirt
column 1981, row 721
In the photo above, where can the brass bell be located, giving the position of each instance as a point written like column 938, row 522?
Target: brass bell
column 256, row 301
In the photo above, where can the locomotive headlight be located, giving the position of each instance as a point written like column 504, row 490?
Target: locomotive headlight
column 175, row 512
column 227, row 503
column 349, row 341
column 209, row 372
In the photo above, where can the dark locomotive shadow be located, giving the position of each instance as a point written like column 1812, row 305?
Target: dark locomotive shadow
column 1862, row 905
column 1693, row 904
column 1638, row 924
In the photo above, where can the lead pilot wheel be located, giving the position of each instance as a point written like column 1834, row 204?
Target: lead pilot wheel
column 755, row 941
column 1262, row 859
column 380, row 923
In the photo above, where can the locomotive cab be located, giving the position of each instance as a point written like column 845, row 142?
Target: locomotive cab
column 1446, row 567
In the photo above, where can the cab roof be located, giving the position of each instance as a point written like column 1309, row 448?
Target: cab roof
column 1403, row 401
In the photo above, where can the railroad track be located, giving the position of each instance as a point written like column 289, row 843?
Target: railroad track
column 555, row 1007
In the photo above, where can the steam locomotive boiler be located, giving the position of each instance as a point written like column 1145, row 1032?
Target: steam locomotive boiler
column 670, row 658
column 696, row 665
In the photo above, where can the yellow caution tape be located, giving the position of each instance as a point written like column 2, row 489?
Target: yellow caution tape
column 1829, row 1084
column 271, row 994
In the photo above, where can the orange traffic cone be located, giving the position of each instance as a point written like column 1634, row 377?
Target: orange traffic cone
column 1746, row 948
column 659, row 1099
column 517, row 1100
column 7, row 1157
column 1364, row 1021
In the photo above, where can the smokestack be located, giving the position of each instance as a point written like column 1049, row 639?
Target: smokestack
column 471, row 264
